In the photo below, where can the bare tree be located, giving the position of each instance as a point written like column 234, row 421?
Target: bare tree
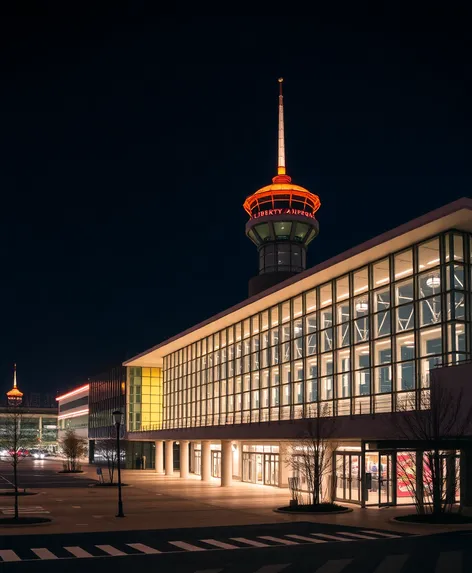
column 14, row 439
column 107, row 450
column 73, row 448
column 434, row 422
column 310, row 457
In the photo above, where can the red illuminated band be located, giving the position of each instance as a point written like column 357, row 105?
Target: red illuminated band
column 73, row 392
column 287, row 211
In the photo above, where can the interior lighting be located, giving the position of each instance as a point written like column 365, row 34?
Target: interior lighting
column 362, row 306
column 433, row 281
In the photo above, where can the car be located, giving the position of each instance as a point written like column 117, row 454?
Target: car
column 38, row 454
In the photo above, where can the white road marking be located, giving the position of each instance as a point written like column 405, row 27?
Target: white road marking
column 356, row 535
column 110, row 550
column 332, row 537
column 219, row 544
column 44, row 553
column 186, row 546
column 303, row 538
column 249, row 542
column 391, row 564
column 9, row 555
column 449, row 561
column 273, row 568
column 76, row 506
column 144, row 548
column 381, row 533
column 335, row 566
column 78, row 552
column 277, row 540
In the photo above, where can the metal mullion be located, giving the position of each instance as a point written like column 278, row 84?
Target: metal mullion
column 370, row 299
column 445, row 268
column 393, row 334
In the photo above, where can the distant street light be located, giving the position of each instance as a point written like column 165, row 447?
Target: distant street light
column 117, row 417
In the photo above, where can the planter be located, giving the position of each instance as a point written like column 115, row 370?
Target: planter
column 429, row 519
column 71, row 472
column 23, row 521
column 20, row 493
column 318, row 509
column 108, row 484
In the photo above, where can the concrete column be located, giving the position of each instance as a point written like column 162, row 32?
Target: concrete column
column 466, row 480
column 159, row 465
column 226, row 463
column 169, row 458
column 184, row 458
column 206, row 460
column 284, row 469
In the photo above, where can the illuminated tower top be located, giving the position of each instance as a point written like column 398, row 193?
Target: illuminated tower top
column 14, row 395
column 282, row 221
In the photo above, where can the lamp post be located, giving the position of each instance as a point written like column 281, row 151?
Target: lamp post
column 117, row 418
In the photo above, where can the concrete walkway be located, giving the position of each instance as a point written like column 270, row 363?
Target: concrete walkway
column 163, row 502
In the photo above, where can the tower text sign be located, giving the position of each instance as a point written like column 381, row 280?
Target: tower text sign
column 286, row 211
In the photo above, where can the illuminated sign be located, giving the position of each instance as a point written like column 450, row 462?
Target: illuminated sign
column 287, row 211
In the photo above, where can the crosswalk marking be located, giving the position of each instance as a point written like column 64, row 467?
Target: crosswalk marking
column 332, row 537
column 249, row 542
column 334, row 566
column 381, row 533
column 272, row 568
column 186, row 546
column 278, row 540
column 391, row 564
column 449, row 561
column 303, row 538
column 144, row 548
column 219, row 544
column 110, row 550
column 78, row 552
column 9, row 555
column 356, row 535
column 44, row 553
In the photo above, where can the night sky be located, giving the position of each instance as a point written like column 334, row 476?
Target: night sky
column 130, row 137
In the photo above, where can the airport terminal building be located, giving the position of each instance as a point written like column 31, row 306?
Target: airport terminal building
column 356, row 337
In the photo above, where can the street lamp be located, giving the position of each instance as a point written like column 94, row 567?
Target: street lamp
column 117, row 415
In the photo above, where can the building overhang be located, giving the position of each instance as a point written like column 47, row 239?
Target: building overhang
column 456, row 215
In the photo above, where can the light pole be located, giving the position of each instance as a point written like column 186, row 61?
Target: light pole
column 117, row 418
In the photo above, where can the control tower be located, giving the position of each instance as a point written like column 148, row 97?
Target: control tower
column 282, row 222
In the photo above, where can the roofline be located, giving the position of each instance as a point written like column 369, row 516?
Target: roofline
column 423, row 220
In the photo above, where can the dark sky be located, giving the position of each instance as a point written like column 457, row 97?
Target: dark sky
column 130, row 137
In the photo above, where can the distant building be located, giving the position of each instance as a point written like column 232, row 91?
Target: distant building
column 37, row 424
column 73, row 412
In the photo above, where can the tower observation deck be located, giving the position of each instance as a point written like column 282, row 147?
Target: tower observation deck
column 282, row 222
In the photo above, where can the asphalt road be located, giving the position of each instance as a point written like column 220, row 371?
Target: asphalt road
column 443, row 553
column 38, row 474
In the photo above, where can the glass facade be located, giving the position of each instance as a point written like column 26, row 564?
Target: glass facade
column 361, row 343
column 144, row 399
column 107, row 393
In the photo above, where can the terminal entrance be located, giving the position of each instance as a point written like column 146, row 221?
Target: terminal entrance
column 379, row 468
column 379, row 477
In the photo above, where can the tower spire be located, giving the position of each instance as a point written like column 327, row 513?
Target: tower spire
column 281, row 147
column 14, row 375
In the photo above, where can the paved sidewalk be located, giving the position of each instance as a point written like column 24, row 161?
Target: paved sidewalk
column 160, row 502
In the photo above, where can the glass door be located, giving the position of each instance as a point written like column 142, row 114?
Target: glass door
column 197, row 462
column 354, row 478
column 386, row 479
column 216, row 464
column 260, row 469
column 380, row 478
